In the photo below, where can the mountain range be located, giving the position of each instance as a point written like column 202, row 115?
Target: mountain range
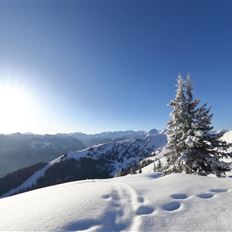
column 97, row 161
column 21, row 150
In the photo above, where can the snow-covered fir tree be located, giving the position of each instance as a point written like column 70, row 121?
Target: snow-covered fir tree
column 176, row 128
column 192, row 145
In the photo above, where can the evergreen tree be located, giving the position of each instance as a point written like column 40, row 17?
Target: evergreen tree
column 159, row 166
column 193, row 147
column 132, row 170
column 176, row 125
column 154, row 167
column 119, row 173
column 140, row 168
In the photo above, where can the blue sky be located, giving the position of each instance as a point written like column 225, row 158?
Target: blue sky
column 96, row 66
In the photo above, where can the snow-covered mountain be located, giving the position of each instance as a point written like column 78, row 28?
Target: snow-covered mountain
column 21, row 150
column 143, row 202
column 98, row 161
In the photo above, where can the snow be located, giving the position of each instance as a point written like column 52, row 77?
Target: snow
column 142, row 202
column 228, row 138
column 158, row 155
column 148, row 169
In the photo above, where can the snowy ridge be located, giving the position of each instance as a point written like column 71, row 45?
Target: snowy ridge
column 142, row 145
column 29, row 182
column 130, row 203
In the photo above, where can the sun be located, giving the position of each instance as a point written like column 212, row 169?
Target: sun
column 16, row 108
column 12, row 100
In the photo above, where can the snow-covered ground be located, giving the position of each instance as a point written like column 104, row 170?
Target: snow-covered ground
column 228, row 138
column 142, row 202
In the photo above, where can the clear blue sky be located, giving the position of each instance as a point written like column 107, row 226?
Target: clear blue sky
column 111, row 65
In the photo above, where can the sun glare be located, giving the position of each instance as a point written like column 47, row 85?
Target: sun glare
column 16, row 108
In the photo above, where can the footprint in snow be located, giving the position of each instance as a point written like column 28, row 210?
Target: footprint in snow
column 175, row 205
column 218, row 190
column 171, row 206
column 144, row 210
column 179, row 196
column 140, row 199
column 106, row 196
column 82, row 225
column 115, row 196
column 205, row 195
column 115, row 204
column 211, row 192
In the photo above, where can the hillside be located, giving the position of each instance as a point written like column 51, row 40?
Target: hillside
column 98, row 161
column 143, row 202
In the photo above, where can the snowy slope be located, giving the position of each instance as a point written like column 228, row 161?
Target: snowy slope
column 227, row 136
column 113, row 156
column 176, row 202
column 123, row 153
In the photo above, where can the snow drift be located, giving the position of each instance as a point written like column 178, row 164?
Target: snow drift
column 142, row 202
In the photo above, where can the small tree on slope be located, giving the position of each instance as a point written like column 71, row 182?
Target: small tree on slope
column 193, row 147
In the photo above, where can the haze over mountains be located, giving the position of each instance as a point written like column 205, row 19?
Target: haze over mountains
column 21, row 150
